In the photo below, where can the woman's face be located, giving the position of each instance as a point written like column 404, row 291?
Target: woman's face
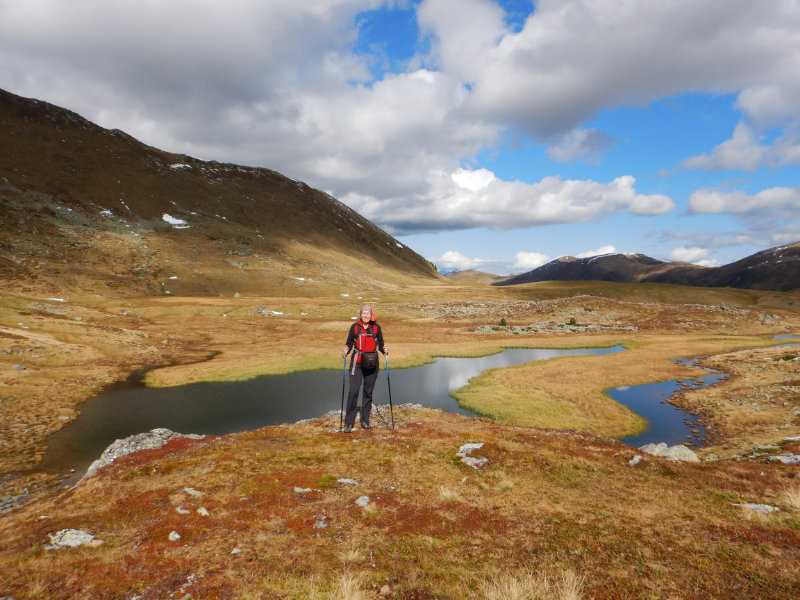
column 366, row 315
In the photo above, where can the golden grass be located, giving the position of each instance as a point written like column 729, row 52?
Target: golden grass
column 449, row 496
column 348, row 586
column 552, row 502
column 790, row 496
column 530, row 585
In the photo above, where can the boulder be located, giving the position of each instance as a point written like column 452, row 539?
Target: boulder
column 678, row 452
column 71, row 538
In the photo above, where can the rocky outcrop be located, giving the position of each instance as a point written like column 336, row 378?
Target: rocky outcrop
column 151, row 440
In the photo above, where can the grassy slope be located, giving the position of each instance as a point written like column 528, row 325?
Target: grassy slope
column 433, row 528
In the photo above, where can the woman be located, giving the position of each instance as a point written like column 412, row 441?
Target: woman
column 366, row 338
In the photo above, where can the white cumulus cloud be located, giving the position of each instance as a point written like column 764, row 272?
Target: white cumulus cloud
column 479, row 199
column 527, row 261
column 785, row 201
column 769, row 215
column 609, row 249
column 746, row 152
column 455, row 260
column 692, row 254
column 572, row 58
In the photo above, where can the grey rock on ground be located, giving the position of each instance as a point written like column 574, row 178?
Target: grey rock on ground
column 678, row 452
column 141, row 441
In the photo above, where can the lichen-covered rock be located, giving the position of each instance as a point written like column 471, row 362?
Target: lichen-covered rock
column 764, row 509
column 466, row 449
column 150, row 440
column 71, row 538
column 786, row 459
column 678, row 452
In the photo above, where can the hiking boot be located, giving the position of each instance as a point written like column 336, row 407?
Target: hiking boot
column 365, row 425
column 347, row 428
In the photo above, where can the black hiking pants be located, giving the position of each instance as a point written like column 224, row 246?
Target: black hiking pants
column 357, row 378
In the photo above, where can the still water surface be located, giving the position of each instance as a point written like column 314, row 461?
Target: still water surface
column 219, row 408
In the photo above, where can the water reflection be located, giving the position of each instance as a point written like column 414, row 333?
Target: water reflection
column 667, row 423
column 219, row 408
column 431, row 384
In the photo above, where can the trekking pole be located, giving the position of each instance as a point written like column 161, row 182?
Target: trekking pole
column 344, row 376
column 389, row 383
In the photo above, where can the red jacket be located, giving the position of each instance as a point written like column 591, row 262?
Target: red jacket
column 366, row 338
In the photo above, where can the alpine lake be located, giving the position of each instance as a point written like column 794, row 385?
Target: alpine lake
column 129, row 407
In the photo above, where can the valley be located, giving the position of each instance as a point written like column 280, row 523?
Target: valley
column 117, row 258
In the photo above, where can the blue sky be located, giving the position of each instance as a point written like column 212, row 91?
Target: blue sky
column 495, row 135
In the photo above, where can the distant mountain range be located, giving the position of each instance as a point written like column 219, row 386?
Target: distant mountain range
column 473, row 276
column 774, row 269
column 83, row 208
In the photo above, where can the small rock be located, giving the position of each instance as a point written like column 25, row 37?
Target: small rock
column 182, row 511
column 678, row 452
column 475, row 463
column 321, row 522
column 71, row 538
column 193, row 492
column 174, row 536
column 764, row 509
column 346, row 481
column 635, row 460
column 18, row 367
column 203, row 512
column 362, row 501
column 236, row 551
column 467, row 448
column 386, row 591
column 786, row 459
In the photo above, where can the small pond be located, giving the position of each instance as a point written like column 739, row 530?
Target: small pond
column 127, row 408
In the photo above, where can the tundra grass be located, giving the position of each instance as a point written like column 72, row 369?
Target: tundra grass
column 551, row 512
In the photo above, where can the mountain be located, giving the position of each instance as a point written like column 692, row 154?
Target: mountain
column 472, row 276
column 608, row 267
column 775, row 269
column 88, row 209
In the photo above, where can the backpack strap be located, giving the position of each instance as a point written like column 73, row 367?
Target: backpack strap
column 371, row 331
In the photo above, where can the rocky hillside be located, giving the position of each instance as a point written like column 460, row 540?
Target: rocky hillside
column 775, row 269
column 89, row 209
